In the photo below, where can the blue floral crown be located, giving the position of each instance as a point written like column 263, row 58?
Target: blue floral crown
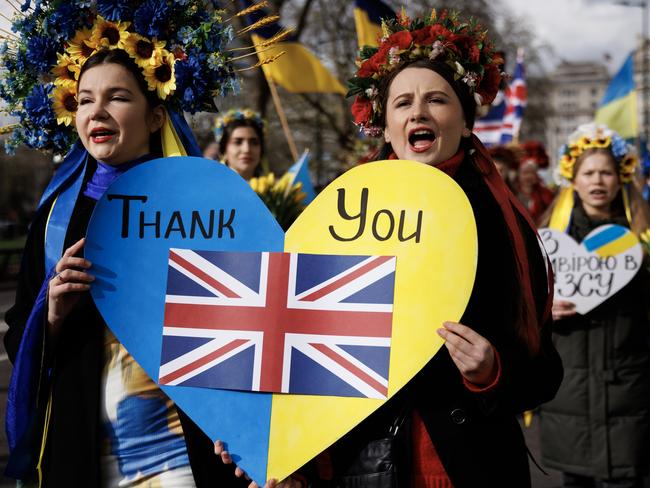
column 178, row 44
column 233, row 115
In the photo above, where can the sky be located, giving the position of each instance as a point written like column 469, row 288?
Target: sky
column 582, row 30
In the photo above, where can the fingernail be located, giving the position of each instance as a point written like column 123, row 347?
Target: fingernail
column 441, row 332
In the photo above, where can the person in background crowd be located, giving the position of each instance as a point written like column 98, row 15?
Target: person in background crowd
column 530, row 189
column 240, row 138
column 506, row 161
column 597, row 429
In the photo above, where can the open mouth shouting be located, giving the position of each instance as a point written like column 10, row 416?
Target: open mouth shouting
column 598, row 193
column 101, row 134
column 421, row 139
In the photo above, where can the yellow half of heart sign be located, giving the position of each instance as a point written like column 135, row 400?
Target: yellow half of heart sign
column 392, row 208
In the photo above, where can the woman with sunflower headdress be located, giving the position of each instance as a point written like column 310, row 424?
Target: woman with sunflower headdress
column 81, row 411
column 597, row 429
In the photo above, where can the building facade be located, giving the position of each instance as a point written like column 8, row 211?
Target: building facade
column 575, row 91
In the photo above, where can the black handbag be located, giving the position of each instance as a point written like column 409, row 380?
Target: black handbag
column 382, row 462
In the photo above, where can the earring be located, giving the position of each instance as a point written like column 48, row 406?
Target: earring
column 466, row 132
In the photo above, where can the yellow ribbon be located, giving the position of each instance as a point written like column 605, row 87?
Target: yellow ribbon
column 171, row 143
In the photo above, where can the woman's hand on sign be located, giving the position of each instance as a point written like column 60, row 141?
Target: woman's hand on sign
column 563, row 309
column 472, row 353
column 286, row 483
column 65, row 287
column 220, row 450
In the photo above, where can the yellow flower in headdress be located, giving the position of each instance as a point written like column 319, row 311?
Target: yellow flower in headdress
column 109, row 34
column 81, row 47
column 66, row 71
column 602, row 142
column 160, row 74
column 64, row 104
column 567, row 162
column 626, row 168
column 142, row 49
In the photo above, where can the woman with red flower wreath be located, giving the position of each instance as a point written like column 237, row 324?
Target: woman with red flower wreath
column 499, row 360
column 454, row 424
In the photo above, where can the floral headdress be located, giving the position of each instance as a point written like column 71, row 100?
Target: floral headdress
column 462, row 45
column 592, row 136
column 232, row 115
column 178, row 44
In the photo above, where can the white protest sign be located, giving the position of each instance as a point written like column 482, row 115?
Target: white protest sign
column 589, row 273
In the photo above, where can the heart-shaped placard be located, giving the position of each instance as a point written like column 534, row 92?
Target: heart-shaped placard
column 589, row 273
column 390, row 208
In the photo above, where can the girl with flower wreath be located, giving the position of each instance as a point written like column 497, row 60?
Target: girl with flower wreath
column 597, row 429
column 455, row 423
column 81, row 412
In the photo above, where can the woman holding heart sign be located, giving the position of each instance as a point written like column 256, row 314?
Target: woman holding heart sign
column 81, row 411
column 597, row 429
column 454, row 424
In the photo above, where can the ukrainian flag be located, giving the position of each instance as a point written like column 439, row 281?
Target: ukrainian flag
column 611, row 240
column 618, row 109
column 298, row 70
column 367, row 18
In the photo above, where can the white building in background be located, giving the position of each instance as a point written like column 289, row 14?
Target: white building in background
column 575, row 92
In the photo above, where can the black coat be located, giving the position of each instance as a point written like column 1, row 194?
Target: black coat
column 72, row 454
column 599, row 423
column 476, row 435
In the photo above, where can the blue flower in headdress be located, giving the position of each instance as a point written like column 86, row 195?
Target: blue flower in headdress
column 62, row 140
column 41, row 52
column 25, row 25
column 216, row 38
column 619, row 147
column 114, row 10
column 191, row 81
column 185, row 35
column 38, row 107
column 63, row 22
column 152, row 18
column 27, row 4
column 227, row 82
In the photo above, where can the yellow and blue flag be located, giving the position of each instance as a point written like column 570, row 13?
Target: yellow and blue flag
column 298, row 70
column 300, row 172
column 618, row 108
column 367, row 19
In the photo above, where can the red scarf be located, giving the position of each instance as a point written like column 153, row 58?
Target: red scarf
column 508, row 203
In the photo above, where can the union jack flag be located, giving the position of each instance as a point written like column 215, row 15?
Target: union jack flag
column 278, row 322
column 502, row 123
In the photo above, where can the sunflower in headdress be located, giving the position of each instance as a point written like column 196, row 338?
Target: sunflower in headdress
column 160, row 74
column 142, row 49
column 109, row 34
column 81, row 47
column 64, row 104
column 66, row 71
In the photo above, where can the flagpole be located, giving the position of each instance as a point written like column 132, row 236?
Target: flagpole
column 283, row 119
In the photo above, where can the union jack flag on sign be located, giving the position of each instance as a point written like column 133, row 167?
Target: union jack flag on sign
column 278, row 322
